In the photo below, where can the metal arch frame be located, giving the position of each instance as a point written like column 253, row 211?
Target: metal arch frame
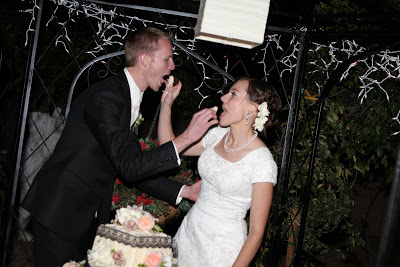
column 7, row 226
column 75, row 80
column 6, row 221
column 121, row 52
column 291, row 119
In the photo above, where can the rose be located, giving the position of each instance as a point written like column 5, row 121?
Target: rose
column 118, row 181
column 146, row 223
column 118, row 257
column 130, row 225
column 70, row 264
column 153, row 259
column 125, row 214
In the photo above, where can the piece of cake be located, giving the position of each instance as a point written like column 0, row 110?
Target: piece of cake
column 170, row 81
column 132, row 239
column 215, row 108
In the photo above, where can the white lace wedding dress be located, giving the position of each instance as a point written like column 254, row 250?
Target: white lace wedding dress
column 214, row 231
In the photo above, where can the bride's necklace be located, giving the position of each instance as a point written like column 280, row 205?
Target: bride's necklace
column 229, row 150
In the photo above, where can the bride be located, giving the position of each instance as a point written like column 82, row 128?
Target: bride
column 238, row 173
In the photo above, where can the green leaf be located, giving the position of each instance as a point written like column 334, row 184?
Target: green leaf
column 379, row 152
column 339, row 172
column 359, row 167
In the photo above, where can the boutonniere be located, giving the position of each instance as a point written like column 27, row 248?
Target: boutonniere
column 138, row 121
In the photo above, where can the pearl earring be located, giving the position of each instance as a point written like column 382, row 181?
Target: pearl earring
column 247, row 118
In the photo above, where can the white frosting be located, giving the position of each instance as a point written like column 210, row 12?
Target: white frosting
column 170, row 81
column 132, row 244
column 100, row 255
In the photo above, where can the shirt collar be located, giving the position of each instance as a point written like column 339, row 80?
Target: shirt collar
column 136, row 94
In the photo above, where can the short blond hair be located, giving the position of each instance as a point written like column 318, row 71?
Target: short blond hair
column 143, row 40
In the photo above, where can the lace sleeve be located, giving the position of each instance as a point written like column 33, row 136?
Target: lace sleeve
column 265, row 169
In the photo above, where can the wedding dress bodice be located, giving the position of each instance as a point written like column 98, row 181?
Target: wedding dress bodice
column 214, row 230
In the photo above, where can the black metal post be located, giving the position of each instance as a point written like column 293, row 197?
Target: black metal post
column 14, row 183
column 274, row 253
column 392, row 220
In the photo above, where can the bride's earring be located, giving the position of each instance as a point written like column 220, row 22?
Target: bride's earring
column 247, row 118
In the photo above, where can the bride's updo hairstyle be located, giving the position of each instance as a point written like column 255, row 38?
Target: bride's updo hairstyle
column 260, row 91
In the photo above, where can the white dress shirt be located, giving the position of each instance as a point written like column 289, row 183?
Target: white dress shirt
column 136, row 99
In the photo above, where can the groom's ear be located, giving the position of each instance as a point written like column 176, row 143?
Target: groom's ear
column 144, row 59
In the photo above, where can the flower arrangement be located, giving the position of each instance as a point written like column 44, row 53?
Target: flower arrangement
column 131, row 218
column 128, row 196
column 106, row 256
column 74, row 264
column 135, row 218
column 157, row 259
column 262, row 117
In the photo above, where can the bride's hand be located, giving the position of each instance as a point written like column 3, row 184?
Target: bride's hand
column 170, row 93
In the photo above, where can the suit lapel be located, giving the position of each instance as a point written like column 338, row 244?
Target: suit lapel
column 125, row 92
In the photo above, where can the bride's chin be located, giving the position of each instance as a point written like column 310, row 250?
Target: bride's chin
column 222, row 123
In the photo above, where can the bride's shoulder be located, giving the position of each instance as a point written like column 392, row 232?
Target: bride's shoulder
column 262, row 150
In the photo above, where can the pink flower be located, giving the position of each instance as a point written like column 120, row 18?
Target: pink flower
column 71, row 264
column 118, row 258
column 146, row 223
column 153, row 259
column 130, row 225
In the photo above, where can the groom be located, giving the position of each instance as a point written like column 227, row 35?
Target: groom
column 72, row 192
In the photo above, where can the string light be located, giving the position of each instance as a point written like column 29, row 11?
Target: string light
column 112, row 32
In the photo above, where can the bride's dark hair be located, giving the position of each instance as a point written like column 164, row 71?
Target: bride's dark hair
column 260, row 91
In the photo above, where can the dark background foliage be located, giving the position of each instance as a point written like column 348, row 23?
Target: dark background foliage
column 356, row 149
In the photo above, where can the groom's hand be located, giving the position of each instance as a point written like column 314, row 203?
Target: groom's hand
column 171, row 93
column 191, row 191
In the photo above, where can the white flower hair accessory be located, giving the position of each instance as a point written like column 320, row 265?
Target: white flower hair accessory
column 262, row 117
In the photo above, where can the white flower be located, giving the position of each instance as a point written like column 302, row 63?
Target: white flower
column 262, row 117
column 259, row 123
column 124, row 215
column 263, row 108
column 101, row 257
column 167, row 261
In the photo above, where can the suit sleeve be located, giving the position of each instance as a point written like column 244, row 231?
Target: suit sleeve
column 162, row 188
column 103, row 117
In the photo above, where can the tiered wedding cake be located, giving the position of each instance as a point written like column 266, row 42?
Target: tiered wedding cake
column 131, row 240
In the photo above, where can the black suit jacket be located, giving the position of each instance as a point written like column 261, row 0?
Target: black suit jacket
column 96, row 144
